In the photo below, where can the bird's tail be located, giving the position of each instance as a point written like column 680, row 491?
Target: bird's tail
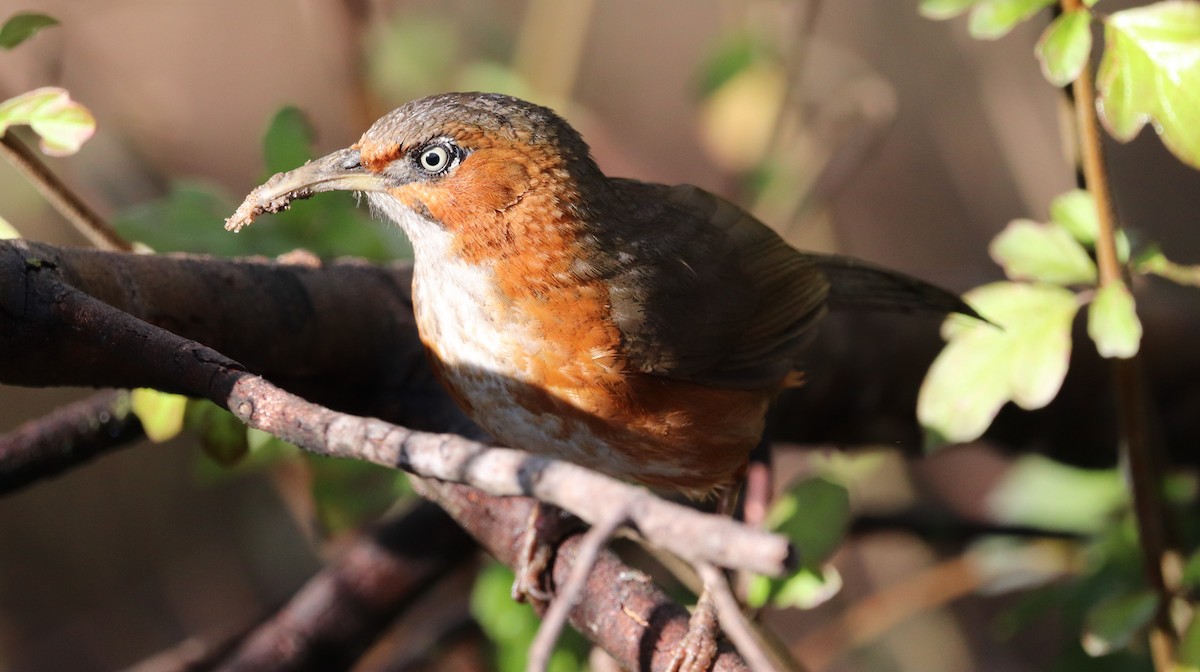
column 856, row 284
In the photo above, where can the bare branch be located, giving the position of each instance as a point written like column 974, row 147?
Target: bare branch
column 66, row 438
column 339, row 612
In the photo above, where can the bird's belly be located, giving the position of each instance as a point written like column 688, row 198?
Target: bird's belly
column 543, row 380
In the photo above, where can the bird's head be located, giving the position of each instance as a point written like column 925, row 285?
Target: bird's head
column 470, row 163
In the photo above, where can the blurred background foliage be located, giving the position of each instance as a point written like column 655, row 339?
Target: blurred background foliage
column 856, row 126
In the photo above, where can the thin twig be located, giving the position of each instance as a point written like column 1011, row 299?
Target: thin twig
column 65, row 201
column 556, row 616
column 1140, row 456
column 692, row 535
column 733, row 621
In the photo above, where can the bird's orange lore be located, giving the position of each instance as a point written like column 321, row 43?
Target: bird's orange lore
column 637, row 329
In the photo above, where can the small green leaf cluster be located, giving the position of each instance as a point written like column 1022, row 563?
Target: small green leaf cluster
column 1023, row 356
column 815, row 515
column 1149, row 73
column 62, row 124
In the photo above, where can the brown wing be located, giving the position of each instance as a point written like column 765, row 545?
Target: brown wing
column 715, row 296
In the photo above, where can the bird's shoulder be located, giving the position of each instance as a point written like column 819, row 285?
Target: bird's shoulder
column 702, row 290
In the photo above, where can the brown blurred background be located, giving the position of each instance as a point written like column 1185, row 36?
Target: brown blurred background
column 928, row 141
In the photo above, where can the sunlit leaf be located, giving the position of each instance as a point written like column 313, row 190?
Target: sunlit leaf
column 8, row 231
column 944, row 9
column 161, row 414
column 22, row 26
column 993, row 19
column 806, row 589
column 1045, row 252
column 63, row 124
column 1075, row 211
column 1150, row 72
column 1113, row 323
column 1065, row 46
column 1039, row 492
column 1157, row 263
column 1112, row 624
column 983, row 367
column 813, row 514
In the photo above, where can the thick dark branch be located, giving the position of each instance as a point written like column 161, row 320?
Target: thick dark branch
column 66, row 438
column 330, row 622
column 622, row 610
column 342, row 334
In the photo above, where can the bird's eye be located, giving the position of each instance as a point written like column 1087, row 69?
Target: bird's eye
column 436, row 159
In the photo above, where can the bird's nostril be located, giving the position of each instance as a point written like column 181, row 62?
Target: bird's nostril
column 352, row 161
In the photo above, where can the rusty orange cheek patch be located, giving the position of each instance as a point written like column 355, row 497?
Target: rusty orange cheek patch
column 489, row 180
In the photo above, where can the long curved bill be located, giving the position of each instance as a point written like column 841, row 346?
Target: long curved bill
column 339, row 171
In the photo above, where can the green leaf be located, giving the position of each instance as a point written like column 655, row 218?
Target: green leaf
column 1189, row 646
column 8, row 231
column 63, row 124
column 1048, row 253
column 939, row 10
column 221, row 434
column 1076, row 212
column 511, row 626
column 1150, row 71
column 1112, row 624
column 286, row 142
column 1113, row 322
column 161, row 413
column 349, row 493
column 1191, row 571
column 22, row 26
column 1039, row 492
column 813, row 514
column 1158, row 264
column 732, row 56
column 993, row 19
column 983, row 367
column 1065, row 46
column 806, row 589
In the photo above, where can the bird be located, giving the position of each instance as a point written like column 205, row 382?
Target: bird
column 638, row 329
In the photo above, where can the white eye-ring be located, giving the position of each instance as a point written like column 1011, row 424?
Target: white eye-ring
column 435, row 159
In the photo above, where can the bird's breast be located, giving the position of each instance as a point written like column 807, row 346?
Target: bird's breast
column 537, row 362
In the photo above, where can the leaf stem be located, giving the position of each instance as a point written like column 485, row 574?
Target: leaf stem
column 66, row 202
column 1142, row 461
